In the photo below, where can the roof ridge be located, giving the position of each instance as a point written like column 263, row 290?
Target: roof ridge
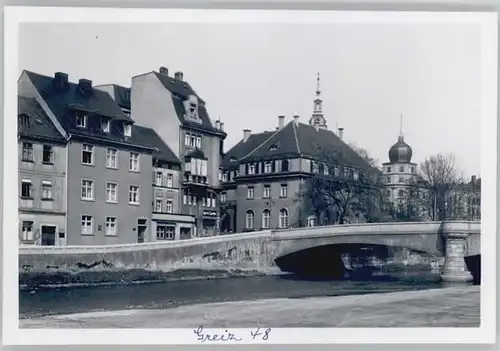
column 265, row 141
column 296, row 138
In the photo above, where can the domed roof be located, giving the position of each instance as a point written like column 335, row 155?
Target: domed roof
column 400, row 152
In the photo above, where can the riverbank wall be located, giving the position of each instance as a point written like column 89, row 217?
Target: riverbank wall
column 244, row 254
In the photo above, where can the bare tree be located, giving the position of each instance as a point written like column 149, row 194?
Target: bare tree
column 365, row 155
column 440, row 175
column 339, row 194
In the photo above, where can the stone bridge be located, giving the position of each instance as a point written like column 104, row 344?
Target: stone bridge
column 258, row 251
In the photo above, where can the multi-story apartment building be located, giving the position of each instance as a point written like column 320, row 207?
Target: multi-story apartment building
column 264, row 173
column 42, row 177
column 464, row 201
column 171, row 107
column 108, row 171
column 168, row 222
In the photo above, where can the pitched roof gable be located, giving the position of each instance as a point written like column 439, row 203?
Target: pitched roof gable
column 180, row 91
column 148, row 136
column 242, row 149
column 295, row 140
column 283, row 143
column 38, row 124
column 98, row 101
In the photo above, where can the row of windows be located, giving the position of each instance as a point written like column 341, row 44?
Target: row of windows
column 401, row 179
column 188, row 199
column 401, row 169
column 337, row 171
column 165, row 232
column 111, row 224
column 81, row 121
column 111, row 158
column 169, row 206
column 192, row 140
column 266, row 167
column 87, row 192
column 266, row 194
column 196, row 166
column 27, row 189
column 47, row 153
column 167, row 181
column 266, row 219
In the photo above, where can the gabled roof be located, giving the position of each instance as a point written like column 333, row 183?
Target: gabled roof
column 98, row 101
column 181, row 91
column 295, row 140
column 243, row 148
column 148, row 136
column 39, row 124
column 122, row 96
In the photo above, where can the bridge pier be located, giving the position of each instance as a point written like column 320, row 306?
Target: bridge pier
column 455, row 269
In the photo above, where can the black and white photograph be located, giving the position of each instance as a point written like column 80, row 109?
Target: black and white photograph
column 234, row 174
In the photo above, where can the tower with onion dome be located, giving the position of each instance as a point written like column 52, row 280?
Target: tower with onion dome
column 399, row 173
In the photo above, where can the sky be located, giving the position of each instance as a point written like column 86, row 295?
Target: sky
column 249, row 74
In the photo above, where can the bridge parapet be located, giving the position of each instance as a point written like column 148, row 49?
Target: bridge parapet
column 395, row 228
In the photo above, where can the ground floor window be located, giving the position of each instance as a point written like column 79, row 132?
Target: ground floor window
column 110, row 225
column 165, row 232
column 27, row 231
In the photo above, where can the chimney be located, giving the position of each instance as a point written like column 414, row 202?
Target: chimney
column 60, row 81
column 222, row 126
column 164, row 71
column 281, row 122
column 296, row 120
column 217, row 124
column 341, row 133
column 246, row 134
column 179, row 75
column 85, row 86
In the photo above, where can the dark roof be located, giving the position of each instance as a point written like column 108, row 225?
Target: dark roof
column 39, row 124
column 59, row 100
column 122, row 96
column 243, row 148
column 304, row 140
column 148, row 136
column 98, row 102
column 181, row 90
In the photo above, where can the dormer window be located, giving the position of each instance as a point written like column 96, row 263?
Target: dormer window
column 127, row 130
column 24, row 120
column 193, row 110
column 251, row 169
column 232, row 159
column 81, row 120
column 273, row 148
column 105, row 125
column 267, row 167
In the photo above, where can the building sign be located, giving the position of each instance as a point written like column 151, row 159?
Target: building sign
column 209, row 213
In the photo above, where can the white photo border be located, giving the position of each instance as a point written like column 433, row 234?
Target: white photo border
column 13, row 335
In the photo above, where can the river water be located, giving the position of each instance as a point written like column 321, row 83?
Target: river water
column 202, row 290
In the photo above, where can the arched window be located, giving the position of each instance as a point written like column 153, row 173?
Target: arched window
column 250, row 217
column 283, row 218
column 266, row 219
column 285, row 166
column 400, row 192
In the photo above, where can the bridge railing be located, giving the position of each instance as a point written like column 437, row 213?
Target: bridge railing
column 156, row 245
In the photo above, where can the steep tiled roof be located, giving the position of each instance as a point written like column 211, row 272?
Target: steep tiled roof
column 58, row 100
column 148, row 136
column 181, row 90
column 61, row 101
column 243, row 148
column 38, row 124
column 302, row 139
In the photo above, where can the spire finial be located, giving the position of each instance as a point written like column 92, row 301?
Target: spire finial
column 401, row 125
column 317, row 85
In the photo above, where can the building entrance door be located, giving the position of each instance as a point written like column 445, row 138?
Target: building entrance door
column 49, row 235
column 141, row 230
